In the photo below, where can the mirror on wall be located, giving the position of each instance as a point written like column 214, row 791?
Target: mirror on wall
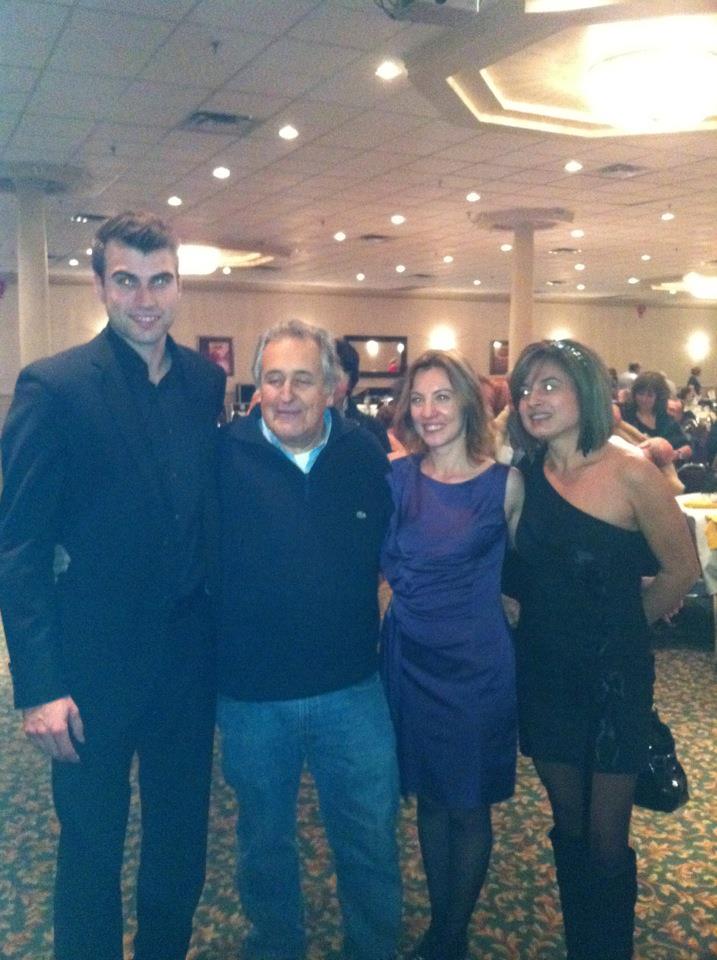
column 380, row 356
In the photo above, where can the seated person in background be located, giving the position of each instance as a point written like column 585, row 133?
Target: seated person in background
column 694, row 380
column 345, row 403
column 711, row 445
column 647, row 411
column 384, row 415
column 689, row 397
column 626, row 379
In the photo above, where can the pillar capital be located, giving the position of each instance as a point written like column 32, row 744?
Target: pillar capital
column 48, row 178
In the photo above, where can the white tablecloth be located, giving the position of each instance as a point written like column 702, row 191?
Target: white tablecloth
column 708, row 558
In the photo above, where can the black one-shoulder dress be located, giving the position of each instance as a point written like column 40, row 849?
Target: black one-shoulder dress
column 585, row 669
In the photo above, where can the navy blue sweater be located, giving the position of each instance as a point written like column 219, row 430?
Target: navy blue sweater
column 300, row 560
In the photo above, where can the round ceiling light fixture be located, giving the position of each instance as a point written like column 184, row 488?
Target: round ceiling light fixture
column 666, row 87
column 197, row 260
column 701, row 284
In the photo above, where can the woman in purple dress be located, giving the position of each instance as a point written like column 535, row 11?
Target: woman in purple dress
column 447, row 653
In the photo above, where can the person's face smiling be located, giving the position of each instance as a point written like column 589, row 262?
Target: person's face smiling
column 293, row 392
column 548, row 403
column 436, row 410
column 140, row 293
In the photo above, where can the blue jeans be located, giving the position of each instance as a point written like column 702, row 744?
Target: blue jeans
column 347, row 741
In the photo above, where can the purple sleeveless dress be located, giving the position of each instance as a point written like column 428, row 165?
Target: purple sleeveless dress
column 447, row 655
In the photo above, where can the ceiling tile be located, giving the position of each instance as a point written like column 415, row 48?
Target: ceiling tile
column 96, row 41
column 252, row 15
column 199, row 54
column 163, row 104
column 76, row 95
column 29, row 31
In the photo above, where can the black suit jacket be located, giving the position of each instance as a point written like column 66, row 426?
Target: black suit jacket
column 77, row 472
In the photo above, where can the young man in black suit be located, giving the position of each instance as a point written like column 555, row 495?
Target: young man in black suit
column 108, row 460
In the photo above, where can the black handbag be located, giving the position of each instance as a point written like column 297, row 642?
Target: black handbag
column 662, row 785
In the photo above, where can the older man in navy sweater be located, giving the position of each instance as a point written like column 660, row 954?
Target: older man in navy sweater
column 305, row 505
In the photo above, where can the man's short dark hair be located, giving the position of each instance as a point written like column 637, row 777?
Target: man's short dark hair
column 139, row 230
column 349, row 361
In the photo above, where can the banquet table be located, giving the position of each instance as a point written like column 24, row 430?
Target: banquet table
column 700, row 508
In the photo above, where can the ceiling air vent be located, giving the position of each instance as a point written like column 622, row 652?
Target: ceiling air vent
column 374, row 237
column 222, row 124
column 620, row 171
column 89, row 217
column 266, row 267
column 564, row 251
column 422, row 276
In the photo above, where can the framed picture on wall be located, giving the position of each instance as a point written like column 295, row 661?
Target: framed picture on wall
column 219, row 350
column 498, row 357
column 380, row 356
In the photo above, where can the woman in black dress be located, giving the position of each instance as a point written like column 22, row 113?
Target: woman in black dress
column 594, row 521
column 647, row 411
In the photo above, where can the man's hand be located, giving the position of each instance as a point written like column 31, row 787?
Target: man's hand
column 49, row 724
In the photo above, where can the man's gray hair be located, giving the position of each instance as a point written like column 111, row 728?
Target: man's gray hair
column 300, row 330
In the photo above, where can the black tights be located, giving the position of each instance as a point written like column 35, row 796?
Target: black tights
column 594, row 808
column 456, row 847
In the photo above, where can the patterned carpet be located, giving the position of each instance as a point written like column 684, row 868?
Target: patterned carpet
column 518, row 915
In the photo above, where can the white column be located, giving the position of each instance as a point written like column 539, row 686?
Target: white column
column 32, row 273
column 520, row 326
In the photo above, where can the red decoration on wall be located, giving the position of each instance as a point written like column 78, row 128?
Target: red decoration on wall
column 641, row 307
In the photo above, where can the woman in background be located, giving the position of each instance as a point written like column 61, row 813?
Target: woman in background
column 647, row 411
column 595, row 519
column 447, row 655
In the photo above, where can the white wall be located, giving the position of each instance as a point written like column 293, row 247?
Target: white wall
column 657, row 339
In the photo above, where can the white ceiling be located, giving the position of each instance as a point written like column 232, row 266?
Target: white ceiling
column 104, row 85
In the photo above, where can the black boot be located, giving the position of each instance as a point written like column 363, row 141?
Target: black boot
column 613, row 899
column 571, row 868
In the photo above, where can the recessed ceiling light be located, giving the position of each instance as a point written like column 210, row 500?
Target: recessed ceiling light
column 397, row 219
column 221, row 173
column 667, row 215
column 579, row 266
column 226, row 271
column 506, row 247
column 646, row 257
column 390, row 69
column 573, row 166
column 476, row 283
column 577, row 233
column 448, row 258
column 633, row 280
column 672, row 291
column 73, row 262
column 360, row 277
column 175, row 201
column 580, row 286
column 339, row 236
column 400, row 268
column 88, row 251
column 288, row 132
column 472, row 197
